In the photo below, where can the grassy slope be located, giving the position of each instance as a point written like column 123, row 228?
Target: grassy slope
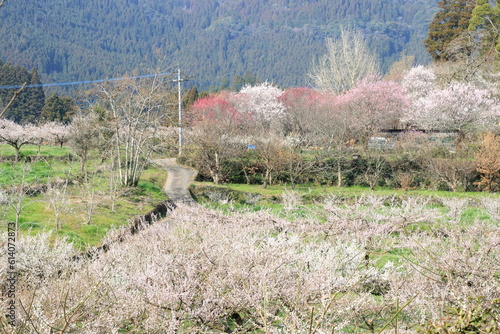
column 52, row 165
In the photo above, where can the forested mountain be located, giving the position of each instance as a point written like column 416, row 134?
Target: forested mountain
column 211, row 40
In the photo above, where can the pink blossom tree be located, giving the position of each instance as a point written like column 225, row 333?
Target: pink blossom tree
column 372, row 105
column 216, row 124
column 306, row 112
column 216, row 108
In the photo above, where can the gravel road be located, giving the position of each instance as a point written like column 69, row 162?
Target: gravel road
column 178, row 180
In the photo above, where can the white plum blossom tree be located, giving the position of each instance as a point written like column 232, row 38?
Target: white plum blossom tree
column 58, row 133
column 461, row 107
column 16, row 135
column 419, row 81
column 263, row 102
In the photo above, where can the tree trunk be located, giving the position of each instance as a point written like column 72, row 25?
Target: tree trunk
column 247, row 178
column 339, row 173
column 18, row 154
column 266, row 179
column 216, row 172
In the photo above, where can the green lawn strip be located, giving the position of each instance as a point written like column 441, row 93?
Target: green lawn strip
column 37, row 215
column 36, row 173
column 33, row 151
column 347, row 192
column 243, row 197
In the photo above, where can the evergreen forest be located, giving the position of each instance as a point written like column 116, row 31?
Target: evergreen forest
column 212, row 41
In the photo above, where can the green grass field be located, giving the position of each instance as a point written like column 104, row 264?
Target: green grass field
column 89, row 209
column 354, row 191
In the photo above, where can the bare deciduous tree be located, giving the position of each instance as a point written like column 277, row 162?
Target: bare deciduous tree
column 135, row 109
column 455, row 173
column 17, row 196
column 274, row 155
column 347, row 61
column 56, row 196
column 84, row 136
column 89, row 199
column 377, row 167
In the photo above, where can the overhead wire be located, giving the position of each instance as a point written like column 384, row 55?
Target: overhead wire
column 84, row 82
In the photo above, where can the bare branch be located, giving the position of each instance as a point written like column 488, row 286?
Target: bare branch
column 16, row 93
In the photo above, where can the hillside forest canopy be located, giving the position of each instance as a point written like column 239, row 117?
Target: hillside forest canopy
column 212, row 41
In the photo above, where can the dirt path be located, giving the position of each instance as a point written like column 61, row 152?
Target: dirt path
column 178, row 180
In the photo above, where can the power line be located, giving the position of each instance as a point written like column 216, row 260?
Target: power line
column 84, row 82
column 74, row 83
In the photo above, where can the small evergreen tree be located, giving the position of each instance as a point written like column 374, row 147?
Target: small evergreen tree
column 57, row 108
column 35, row 99
column 190, row 97
column 237, row 83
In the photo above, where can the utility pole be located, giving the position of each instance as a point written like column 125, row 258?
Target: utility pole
column 179, row 80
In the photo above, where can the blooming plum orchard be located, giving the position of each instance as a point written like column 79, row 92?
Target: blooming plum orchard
column 350, row 262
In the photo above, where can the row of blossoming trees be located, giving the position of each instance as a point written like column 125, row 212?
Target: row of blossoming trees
column 124, row 124
column 265, row 130
column 266, row 134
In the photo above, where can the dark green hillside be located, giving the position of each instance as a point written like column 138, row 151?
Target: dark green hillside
column 210, row 40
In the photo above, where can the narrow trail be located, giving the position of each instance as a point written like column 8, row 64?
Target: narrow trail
column 175, row 187
column 178, row 180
